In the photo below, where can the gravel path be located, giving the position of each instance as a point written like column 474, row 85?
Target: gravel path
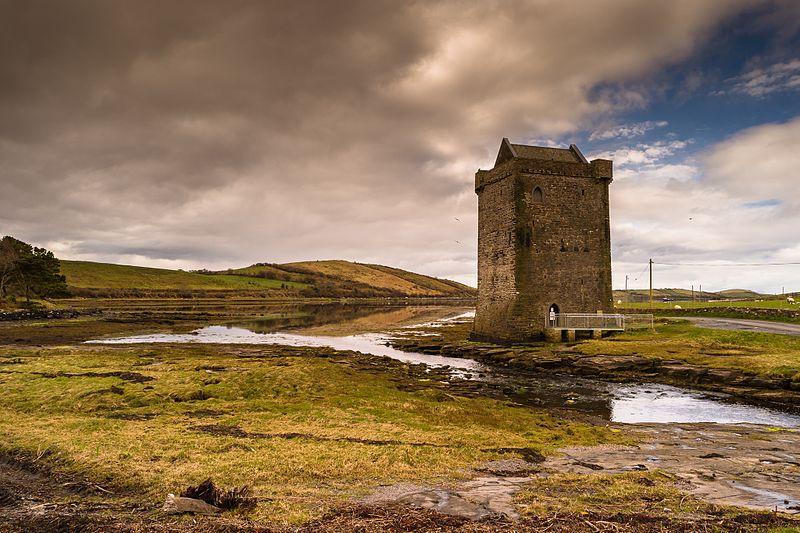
column 743, row 324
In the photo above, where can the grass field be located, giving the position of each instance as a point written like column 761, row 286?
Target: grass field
column 309, row 279
column 573, row 494
column 750, row 304
column 89, row 275
column 308, row 429
column 643, row 295
column 763, row 353
column 269, row 272
column 305, row 428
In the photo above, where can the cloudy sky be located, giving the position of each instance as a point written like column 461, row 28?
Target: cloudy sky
column 190, row 133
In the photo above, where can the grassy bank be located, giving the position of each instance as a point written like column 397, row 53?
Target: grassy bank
column 763, row 353
column 306, row 428
column 755, row 367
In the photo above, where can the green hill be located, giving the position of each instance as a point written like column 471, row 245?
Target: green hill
column 89, row 275
column 669, row 298
column 313, row 278
column 740, row 293
column 643, row 295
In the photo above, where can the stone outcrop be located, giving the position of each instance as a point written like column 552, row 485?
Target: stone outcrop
column 42, row 314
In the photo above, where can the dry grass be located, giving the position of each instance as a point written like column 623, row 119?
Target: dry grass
column 605, row 494
column 380, row 277
column 307, row 429
column 636, row 501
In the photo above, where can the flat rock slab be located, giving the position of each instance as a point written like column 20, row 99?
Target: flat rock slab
column 743, row 465
column 510, row 467
column 476, row 499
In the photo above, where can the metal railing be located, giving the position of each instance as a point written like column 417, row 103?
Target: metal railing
column 592, row 321
column 639, row 321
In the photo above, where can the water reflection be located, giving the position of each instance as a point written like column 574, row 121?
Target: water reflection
column 368, row 343
column 661, row 403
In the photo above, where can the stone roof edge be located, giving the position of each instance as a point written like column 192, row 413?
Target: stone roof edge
column 578, row 153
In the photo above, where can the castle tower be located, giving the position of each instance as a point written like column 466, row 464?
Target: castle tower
column 543, row 239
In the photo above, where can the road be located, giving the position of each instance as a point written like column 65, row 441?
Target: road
column 744, row 324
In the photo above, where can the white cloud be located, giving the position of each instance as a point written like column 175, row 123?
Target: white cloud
column 645, row 154
column 235, row 133
column 627, row 131
column 761, row 81
column 758, row 164
column 720, row 210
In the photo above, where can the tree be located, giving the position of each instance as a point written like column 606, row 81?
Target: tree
column 28, row 270
column 11, row 251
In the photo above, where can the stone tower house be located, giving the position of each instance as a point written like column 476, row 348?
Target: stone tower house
column 543, row 239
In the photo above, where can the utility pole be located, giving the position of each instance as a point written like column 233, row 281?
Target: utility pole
column 651, row 283
column 693, row 293
column 627, row 299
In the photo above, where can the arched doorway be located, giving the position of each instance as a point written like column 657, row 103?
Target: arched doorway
column 551, row 315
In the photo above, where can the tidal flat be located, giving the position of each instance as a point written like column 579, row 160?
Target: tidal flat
column 97, row 435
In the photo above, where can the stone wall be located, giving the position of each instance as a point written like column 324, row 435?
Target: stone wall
column 496, row 258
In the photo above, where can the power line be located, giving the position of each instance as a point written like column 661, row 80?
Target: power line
column 728, row 264
column 639, row 275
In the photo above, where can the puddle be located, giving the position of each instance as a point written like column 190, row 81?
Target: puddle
column 622, row 403
column 662, row 403
column 770, row 499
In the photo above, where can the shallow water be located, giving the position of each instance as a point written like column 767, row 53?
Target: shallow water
column 624, row 403
column 369, row 343
column 662, row 403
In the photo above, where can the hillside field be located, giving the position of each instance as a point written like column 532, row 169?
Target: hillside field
column 382, row 277
column 89, row 275
column 312, row 278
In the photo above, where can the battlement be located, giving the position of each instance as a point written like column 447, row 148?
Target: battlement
column 516, row 158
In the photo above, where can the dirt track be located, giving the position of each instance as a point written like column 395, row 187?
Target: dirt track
column 34, row 500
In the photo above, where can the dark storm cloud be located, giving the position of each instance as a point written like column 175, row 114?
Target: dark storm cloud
column 219, row 133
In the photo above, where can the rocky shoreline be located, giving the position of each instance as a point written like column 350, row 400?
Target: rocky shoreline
column 772, row 390
column 44, row 314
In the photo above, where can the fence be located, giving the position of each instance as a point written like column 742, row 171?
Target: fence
column 638, row 321
column 591, row 321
